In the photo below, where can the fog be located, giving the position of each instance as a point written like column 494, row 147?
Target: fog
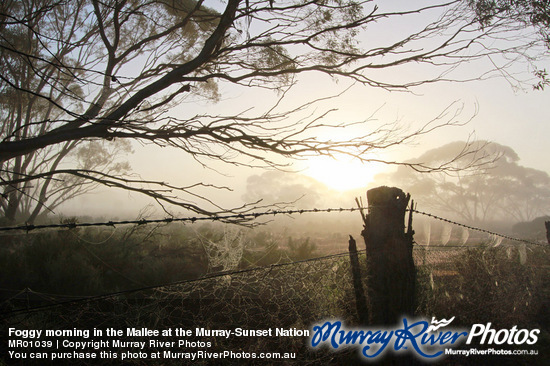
column 498, row 106
column 204, row 165
column 495, row 112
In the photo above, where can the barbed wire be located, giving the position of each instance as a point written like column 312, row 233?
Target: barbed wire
column 238, row 217
column 246, row 216
column 87, row 299
column 469, row 227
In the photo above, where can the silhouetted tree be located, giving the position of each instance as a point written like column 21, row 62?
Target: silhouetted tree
column 534, row 13
column 77, row 74
column 526, row 13
column 500, row 190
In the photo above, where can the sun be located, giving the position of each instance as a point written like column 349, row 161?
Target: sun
column 341, row 173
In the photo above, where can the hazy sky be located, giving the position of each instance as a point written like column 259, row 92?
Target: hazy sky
column 510, row 116
column 516, row 118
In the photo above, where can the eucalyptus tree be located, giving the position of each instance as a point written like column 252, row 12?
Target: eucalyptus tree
column 502, row 190
column 525, row 13
column 81, row 79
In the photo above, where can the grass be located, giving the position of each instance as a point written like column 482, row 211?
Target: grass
column 506, row 287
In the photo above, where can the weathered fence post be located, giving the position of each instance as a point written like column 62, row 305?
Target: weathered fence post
column 547, row 224
column 390, row 267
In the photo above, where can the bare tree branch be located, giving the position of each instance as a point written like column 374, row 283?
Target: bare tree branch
column 79, row 72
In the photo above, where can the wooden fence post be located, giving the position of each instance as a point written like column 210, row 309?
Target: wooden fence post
column 547, row 224
column 390, row 268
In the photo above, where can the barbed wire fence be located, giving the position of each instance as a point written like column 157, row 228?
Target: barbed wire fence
column 254, row 215
column 295, row 294
column 242, row 218
column 228, row 218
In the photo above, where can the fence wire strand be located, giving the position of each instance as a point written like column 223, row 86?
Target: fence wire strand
column 472, row 282
column 225, row 218
column 470, row 227
column 241, row 217
column 448, row 249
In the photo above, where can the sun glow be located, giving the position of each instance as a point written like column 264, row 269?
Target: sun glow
column 341, row 173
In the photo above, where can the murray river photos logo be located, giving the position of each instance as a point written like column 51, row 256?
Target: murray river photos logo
column 425, row 340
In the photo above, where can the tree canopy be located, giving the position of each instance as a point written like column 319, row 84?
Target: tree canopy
column 527, row 13
column 78, row 78
column 502, row 190
column 534, row 13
